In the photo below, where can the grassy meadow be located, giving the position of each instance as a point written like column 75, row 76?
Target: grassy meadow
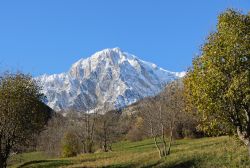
column 221, row 152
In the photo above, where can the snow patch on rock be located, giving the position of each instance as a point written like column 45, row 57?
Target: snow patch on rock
column 109, row 78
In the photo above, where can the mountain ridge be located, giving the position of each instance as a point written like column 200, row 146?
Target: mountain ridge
column 108, row 79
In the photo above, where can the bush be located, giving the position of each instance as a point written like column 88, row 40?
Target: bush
column 136, row 133
column 71, row 144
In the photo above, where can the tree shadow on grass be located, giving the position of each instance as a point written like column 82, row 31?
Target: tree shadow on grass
column 127, row 165
column 152, row 164
column 46, row 163
column 141, row 145
column 185, row 164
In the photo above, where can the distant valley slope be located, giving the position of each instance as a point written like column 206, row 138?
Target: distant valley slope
column 109, row 78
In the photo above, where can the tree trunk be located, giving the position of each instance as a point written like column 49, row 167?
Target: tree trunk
column 110, row 147
column 105, row 146
column 244, row 138
column 3, row 162
column 248, row 147
column 164, row 153
column 90, row 145
column 157, row 147
column 170, row 140
column 4, row 155
column 155, row 139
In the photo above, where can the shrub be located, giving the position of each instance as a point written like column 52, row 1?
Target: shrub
column 71, row 144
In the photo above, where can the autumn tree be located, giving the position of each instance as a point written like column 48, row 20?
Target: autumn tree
column 106, row 129
column 22, row 112
column 161, row 115
column 218, row 84
column 136, row 132
column 148, row 112
column 84, row 125
column 172, row 106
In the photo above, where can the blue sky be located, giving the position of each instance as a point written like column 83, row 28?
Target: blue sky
column 47, row 36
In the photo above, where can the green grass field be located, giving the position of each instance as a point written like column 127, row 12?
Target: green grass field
column 220, row 152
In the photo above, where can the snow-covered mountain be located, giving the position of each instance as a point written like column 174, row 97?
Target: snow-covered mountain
column 109, row 78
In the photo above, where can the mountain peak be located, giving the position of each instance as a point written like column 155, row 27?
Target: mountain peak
column 109, row 79
column 105, row 53
column 115, row 49
column 108, row 52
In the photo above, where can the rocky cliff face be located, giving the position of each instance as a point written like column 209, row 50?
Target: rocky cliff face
column 110, row 78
